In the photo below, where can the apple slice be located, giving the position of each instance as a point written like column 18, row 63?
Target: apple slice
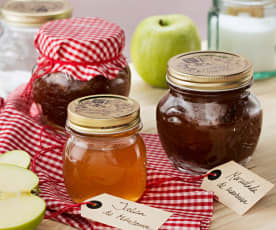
column 19, row 208
column 16, row 157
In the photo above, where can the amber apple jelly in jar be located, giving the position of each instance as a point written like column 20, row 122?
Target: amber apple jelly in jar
column 209, row 116
column 104, row 153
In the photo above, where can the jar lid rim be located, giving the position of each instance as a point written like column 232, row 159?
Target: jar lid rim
column 209, row 70
column 103, row 114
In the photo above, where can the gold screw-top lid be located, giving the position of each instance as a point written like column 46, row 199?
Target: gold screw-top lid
column 103, row 114
column 33, row 13
column 209, row 71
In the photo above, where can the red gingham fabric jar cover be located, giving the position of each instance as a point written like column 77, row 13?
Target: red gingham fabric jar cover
column 81, row 47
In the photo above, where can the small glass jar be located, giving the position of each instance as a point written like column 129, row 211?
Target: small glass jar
column 104, row 153
column 209, row 115
column 72, row 66
column 246, row 27
column 20, row 20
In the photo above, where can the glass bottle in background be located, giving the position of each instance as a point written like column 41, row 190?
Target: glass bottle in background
column 246, row 27
column 20, row 20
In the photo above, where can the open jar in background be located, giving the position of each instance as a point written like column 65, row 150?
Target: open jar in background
column 104, row 153
column 78, row 57
column 246, row 27
column 209, row 115
column 20, row 21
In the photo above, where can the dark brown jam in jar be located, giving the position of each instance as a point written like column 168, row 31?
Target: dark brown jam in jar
column 55, row 91
column 77, row 57
column 209, row 115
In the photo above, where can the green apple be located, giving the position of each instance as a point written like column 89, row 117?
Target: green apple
column 157, row 39
column 16, row 157
column 19, row 208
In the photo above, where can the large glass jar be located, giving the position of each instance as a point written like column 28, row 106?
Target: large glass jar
column 104, row 153
column 246, row 27
column 209, row 115
column 20, row 21
column 72, row 66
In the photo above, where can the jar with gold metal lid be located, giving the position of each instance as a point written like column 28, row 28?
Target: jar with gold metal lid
column 20, row 20
column 104, row 153
column 209, row 115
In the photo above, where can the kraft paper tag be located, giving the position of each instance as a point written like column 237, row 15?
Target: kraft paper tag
column 236, row 187
column 123, row 214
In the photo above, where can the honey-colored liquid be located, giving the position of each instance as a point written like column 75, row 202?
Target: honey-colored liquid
column 116, row 166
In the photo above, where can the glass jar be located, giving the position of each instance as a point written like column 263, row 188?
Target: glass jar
column 20, row 21
column 209, row 115
column 53, row 92
column 246, row 27
column 72, row 66
column 104, row 153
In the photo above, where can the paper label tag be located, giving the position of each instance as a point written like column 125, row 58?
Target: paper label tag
column 124, row 214
column 236, row 187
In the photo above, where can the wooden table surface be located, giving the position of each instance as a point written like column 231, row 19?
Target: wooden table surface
column 263, row 215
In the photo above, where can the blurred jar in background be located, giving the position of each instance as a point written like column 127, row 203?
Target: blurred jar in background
column 246, row 27
column 20, row 20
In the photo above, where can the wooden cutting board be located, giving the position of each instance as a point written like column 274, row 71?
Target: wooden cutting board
column 263, row 215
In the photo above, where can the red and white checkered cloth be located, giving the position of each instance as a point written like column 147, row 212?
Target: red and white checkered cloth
column 192, row 206
column 81, row 47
